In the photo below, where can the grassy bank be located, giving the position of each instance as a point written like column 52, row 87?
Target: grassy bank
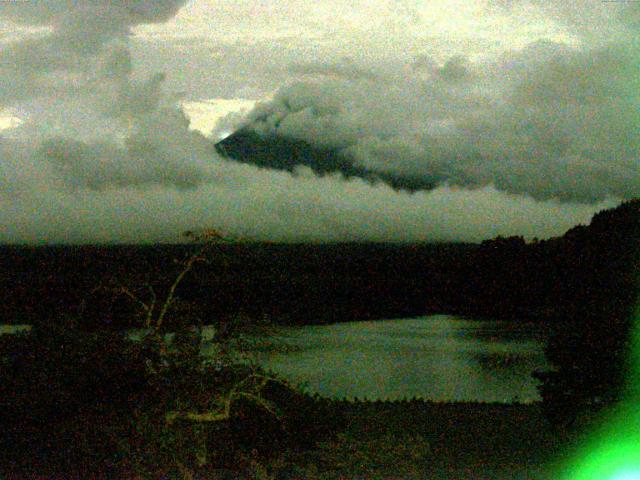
column 418, row 440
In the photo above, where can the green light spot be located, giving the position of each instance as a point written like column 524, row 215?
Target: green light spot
column 613, row 451
column 620, row 461
column 617, row 462
column 627, row 475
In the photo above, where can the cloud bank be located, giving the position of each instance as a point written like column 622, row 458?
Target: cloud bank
column 105, row 153
column 550, row 121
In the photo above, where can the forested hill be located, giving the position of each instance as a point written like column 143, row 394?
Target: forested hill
column 588, row 272
column 289, row 283
column 597, row 291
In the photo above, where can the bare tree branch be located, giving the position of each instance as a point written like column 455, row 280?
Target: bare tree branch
column 125, row 291
column 209, row 237
column 149, row 318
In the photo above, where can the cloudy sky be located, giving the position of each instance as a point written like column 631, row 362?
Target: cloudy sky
column 523, row 114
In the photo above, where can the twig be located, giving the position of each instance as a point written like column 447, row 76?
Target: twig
column 124, row 290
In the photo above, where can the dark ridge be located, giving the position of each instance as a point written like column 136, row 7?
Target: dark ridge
column 290, row 283
column 582, row 286
column 588, row 274
column 280, row 153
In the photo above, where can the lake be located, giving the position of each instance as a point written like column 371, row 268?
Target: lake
column 438, row 357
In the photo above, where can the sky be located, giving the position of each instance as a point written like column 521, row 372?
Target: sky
column 522, row 113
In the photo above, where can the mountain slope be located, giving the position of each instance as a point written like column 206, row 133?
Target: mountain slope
column 280, row 153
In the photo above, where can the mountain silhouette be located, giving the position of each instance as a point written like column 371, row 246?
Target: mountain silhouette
column 281, row 153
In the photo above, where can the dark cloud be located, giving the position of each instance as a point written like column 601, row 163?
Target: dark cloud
column 139, row 98
column 106, row 12
column 253, row 203
column 455, row 69
column 117, row 64
column 596, row 22
column 161, row 152
column 79, row 30
column 549, row 121
column 106, row 155
column 424, row 63
column 346, row 68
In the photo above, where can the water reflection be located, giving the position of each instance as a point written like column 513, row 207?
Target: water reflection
column 13, row 329
column 438, row 357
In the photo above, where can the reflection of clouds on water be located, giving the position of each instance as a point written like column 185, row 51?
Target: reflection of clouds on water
column 439, row 358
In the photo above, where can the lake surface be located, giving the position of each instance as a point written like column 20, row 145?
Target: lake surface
column 11, row 329
column 439, row 357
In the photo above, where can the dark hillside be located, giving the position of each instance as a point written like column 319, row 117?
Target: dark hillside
column 582, row 285
column 282, row 153
column 299, row 283
column 586, row 274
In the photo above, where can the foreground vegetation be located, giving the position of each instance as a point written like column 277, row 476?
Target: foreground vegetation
column 79, row 405
column 417, row 440
column 79, row 399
